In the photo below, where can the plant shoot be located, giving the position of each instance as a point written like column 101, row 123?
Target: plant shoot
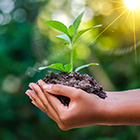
column 70, row 35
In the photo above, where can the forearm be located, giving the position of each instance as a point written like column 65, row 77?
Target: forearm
column 123, row 95
column 123, row 108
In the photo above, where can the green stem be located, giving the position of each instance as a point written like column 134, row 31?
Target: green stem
column 71, row 58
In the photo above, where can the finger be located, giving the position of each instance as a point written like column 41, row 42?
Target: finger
column 58, row 89
column 33, row 102
column 42, row 97
column 56, row 104
column 39, row 92
column 54, row 99
column 44, row 100
column 28, row 93
column 41, row 106
column 37, row 102
column 34, row 98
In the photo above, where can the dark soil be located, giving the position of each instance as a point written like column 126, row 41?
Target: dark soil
column 77, row 80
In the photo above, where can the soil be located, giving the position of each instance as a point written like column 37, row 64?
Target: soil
column 77, row 80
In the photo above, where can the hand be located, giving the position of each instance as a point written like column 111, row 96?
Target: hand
column 84, row 109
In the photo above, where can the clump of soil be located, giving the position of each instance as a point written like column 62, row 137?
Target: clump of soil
column 77, row 80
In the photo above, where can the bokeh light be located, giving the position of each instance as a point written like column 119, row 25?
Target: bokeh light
column 11, row 84
column 20, row 15
column 7, row 6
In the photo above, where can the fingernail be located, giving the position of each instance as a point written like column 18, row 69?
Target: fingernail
column 30, row 85
column 48, row 87
column 40, row 82
column 27, row 93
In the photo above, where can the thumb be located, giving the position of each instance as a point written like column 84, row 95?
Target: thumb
column 58, row 89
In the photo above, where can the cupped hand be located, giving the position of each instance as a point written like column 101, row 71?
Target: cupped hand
column 84, row 109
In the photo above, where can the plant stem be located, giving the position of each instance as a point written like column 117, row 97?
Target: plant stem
column 71, row 58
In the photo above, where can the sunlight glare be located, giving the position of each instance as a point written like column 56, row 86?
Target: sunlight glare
column 132, row 4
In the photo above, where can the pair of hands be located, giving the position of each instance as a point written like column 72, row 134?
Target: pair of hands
column 84, row 109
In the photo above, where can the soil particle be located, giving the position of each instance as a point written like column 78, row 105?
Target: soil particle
column 77, row 80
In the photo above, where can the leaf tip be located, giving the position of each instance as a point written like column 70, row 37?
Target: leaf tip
column 42, row 68
column 45, row 21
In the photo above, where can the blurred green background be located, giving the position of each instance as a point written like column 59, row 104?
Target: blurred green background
column 27, row 43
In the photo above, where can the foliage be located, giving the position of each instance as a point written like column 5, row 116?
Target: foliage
column 70, row 36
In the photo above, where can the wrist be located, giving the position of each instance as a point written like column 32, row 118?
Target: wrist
column 104, row 109
column 99, row 111
column 105, row 112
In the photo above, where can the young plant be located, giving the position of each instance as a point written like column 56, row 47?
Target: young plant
column 70, row 35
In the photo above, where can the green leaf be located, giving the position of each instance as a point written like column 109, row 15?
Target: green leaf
column 57, row 25
column 71, row 30
column 67, row 67
column 58, row 66
column 84, row 66
column 77, row 22
column 83, row 31
column 64, row 37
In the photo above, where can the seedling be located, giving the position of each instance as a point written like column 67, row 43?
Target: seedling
column 71, row 77
column 70, row 35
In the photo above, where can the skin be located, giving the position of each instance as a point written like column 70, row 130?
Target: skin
column 119, row 108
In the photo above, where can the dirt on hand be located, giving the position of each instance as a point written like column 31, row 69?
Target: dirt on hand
column 77, row 80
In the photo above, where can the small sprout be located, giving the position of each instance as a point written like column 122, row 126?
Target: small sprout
column 70, row 36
